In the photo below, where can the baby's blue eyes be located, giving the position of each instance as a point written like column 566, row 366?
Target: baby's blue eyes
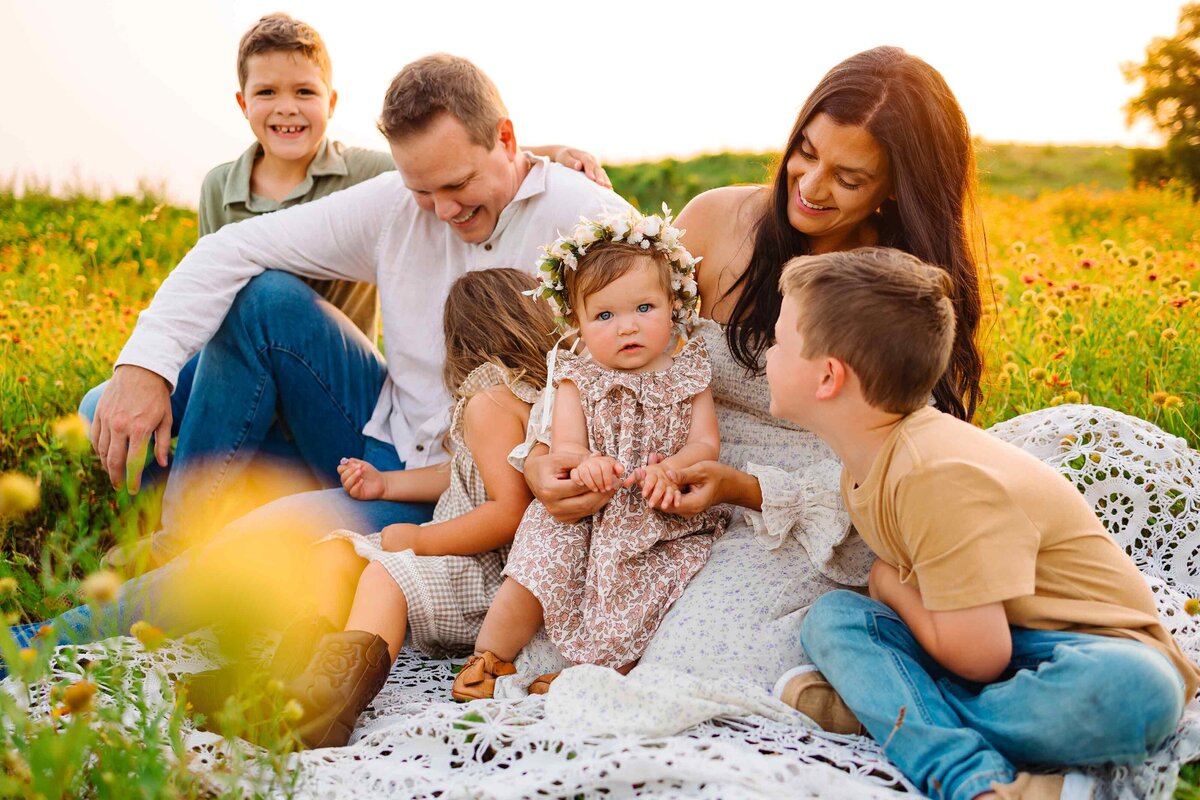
column 644, row 307
column 604, row 315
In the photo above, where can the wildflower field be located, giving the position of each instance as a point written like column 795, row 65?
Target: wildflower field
column 1091, row 296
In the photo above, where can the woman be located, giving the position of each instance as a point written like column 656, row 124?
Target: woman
column 880, row 155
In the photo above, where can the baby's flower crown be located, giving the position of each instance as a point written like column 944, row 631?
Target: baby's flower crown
column 646, row 231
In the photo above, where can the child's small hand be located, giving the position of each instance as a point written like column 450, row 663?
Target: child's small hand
column 360, row 480
column 598, row 473
column 400, row 536
column 657, row 487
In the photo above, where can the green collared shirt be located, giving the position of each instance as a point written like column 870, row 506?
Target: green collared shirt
column 225, row 197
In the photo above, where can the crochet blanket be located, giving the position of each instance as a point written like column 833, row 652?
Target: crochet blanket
column 713, row 741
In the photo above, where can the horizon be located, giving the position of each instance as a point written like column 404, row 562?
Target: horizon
column 156, row 108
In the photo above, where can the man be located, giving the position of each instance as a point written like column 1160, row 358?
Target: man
column 464, row 198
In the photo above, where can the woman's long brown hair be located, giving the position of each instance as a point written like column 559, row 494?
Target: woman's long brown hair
column 907, row 106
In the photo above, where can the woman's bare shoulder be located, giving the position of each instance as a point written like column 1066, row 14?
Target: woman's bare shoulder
column 716, row 207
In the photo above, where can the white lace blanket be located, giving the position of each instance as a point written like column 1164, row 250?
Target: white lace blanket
column 412, row 742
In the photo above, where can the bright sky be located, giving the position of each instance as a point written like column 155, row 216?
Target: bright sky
column 110, row 92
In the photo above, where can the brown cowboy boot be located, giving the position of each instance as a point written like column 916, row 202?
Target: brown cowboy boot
column 477, row 678
column 208, row 691
column 347, row 671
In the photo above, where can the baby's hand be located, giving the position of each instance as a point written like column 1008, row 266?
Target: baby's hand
column 598, row 473
column 659, row 490
column 400, row 536
column 360, row 480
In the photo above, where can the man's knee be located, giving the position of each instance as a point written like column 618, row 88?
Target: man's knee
column 272, row 295
column 87, row 406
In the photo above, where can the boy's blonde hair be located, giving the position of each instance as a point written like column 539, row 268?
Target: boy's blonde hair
column 442, row 84
column 882, row 311
column 488, row 318
column 279, row 32
column 605, row 262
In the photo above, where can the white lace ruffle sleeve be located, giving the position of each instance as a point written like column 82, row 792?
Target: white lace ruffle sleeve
column 807, row 504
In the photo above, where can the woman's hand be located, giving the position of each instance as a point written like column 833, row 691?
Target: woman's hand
column 701, row 485
column 361, row 480
column 401, row 536
column 548, row 476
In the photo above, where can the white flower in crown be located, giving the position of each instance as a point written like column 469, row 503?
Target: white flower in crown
column 648, row 232
column 620, row 229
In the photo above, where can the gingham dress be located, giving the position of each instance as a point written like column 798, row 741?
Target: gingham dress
column 448, row 596
column 606, row 581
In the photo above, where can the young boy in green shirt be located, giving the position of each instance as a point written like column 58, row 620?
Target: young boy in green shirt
column 1004, row 625
column 287, row 96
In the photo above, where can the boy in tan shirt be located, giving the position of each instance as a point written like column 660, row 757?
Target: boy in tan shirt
column 1004, row 625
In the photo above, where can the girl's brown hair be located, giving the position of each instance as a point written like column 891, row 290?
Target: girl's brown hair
column 487, row 318
column 906, row 105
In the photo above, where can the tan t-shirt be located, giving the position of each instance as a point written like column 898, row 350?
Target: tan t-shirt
column 971, row 520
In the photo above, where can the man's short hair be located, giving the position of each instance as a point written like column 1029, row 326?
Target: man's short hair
column 277, row 33
column 885, row 313
column 442, row 84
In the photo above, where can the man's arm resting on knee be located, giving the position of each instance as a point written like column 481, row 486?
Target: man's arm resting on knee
column 973, row 643
column 136, row 404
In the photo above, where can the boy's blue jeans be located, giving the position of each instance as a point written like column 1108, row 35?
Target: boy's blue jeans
column 286, row 375
column 1066, row 698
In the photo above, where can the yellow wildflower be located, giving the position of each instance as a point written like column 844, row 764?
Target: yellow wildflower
column 72, row 432
column 78, row 696
column 1053, row 312
column 100, row 587
column 1158, row 398
column 19, row 494
column 1010, row 368
column 1057, row 400
column 8, row 585
column 1192, row 606
column 1078, row 330
column 1037, row 374
column 1174, row 401
column 150, row 636
column 1131, row 335
column 1169, row 334
column 1072, row 397
column 293, row 711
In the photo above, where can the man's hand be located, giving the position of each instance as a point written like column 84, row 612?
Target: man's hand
column 583, row 161
column 549, row 478
column 135, row 405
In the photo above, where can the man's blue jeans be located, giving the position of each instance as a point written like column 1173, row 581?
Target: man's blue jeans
column 1066, row 699
column 283, row 357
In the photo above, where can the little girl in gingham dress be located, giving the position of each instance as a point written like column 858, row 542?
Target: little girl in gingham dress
column 438, row 579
